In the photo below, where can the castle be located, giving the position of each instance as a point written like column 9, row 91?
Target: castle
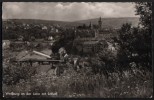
column 89, row 44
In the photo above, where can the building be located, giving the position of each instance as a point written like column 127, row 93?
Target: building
column 6, row 44
column 50, row 38
column 89, row 44
column 44, row 28
column 100, row 23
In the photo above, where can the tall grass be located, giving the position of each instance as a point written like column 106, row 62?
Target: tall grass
column 132, row 84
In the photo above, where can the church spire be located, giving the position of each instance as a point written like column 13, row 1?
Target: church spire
column 100, row 19
column 90, row 25
column 100, row 23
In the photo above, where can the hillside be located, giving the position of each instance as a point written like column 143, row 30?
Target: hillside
column 107, row 22
column 38, row 21
column 112, row 22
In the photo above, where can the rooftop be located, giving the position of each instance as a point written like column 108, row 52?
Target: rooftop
column 90, row 42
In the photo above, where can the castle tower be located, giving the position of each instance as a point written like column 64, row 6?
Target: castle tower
column 100, row 23
column 90, row 26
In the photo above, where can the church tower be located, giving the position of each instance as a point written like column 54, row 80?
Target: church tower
column 100, row 23
column 90, row 26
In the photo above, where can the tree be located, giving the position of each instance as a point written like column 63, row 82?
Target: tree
column 144, row 9
column 104, row 61
column 124, row 40
column 135, row 42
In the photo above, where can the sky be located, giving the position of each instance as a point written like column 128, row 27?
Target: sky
column 66, row 11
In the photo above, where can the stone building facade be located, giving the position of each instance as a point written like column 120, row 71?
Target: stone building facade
column 89, row 44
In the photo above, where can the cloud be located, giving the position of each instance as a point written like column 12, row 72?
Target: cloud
column 66, row 11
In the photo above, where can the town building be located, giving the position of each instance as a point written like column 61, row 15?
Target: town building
column 100, row 23
column 6, row 44
column 89, row 44
column 44, row 28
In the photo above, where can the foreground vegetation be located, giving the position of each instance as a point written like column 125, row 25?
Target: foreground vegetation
column 128, row 83
column 131, row 84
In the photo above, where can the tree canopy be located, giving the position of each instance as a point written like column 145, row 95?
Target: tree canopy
column 136, row 42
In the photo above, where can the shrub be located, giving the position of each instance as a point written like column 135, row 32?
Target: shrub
column 81, row 84
column 12, row 74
